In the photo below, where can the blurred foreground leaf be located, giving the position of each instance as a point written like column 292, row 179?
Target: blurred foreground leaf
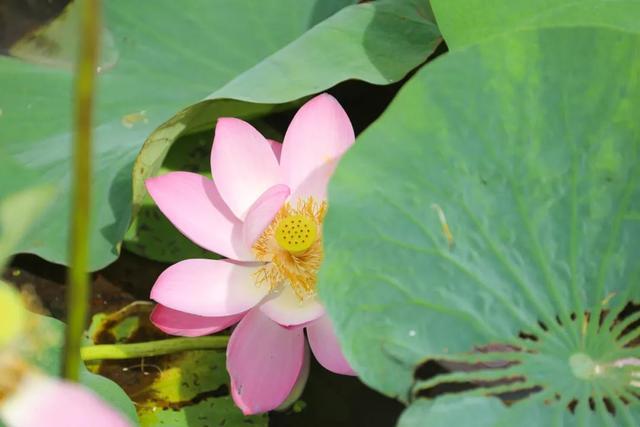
column 47, row 355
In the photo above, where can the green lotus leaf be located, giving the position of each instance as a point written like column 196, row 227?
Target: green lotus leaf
column 377, row 42
column 465, row 22
column 20, row 204
column 490, row 221
column 474, row 411
column 161, row 59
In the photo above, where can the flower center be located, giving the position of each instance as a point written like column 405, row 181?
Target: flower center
column 296, row 233
column 291, row 248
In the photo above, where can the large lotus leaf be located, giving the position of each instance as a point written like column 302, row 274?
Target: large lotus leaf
column 464, row 22
column 378, row 42
column 483, row 412
column 163, row 57
column 20, row 205
column 474, row 411
column 45, row 350
column 490, row 219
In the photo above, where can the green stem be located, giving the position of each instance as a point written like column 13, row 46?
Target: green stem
column 78, row 279
column 152, row 348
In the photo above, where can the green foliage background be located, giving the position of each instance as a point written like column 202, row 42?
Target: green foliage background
column 496, row 195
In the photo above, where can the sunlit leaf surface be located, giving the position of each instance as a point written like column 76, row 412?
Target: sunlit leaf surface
column 494, row 209
column 465, row 22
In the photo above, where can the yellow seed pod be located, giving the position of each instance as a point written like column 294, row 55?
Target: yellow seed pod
column 12, row 314
column 296, row 233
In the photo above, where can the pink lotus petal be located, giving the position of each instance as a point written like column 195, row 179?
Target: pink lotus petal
column 41, row 401
column 176, row 322
column 192, row 203
column 243, row 164
column 326, row 348
column 208, row 287
column 286, row 309
column 264, row 361
column 319, row 133
column 262, row 212
column 301, row 382
column 276, row 147
column 316, row 183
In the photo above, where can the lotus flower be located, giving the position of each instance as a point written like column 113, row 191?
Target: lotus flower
column 43, row 401
column 263, row 210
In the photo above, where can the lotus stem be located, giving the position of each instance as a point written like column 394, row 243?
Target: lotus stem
column 78, row 279
column 152, row 348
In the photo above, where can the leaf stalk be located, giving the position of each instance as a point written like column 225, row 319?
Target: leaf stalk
column 153, row 348
column 78, row 278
